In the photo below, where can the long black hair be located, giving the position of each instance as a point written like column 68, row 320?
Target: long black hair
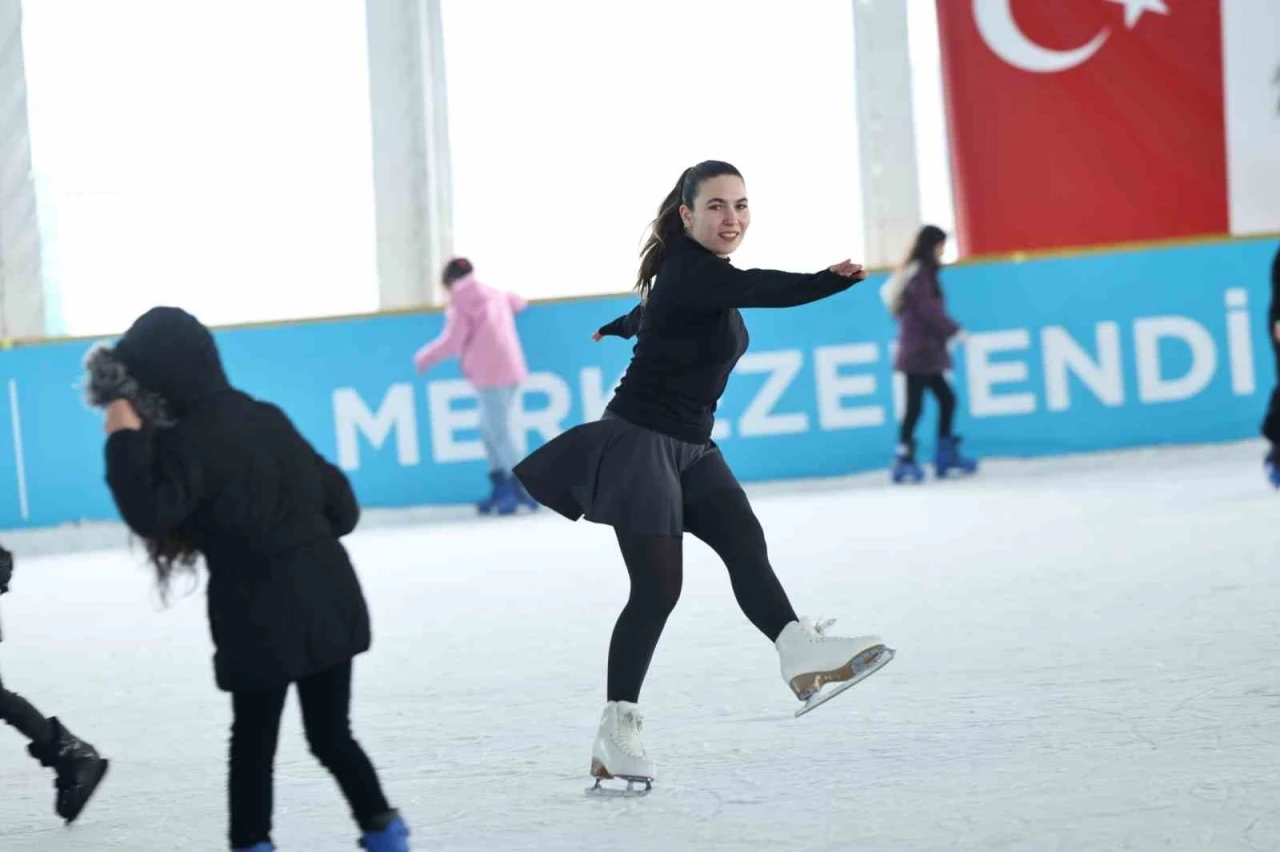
column 924, row 250
column 107, row 380
column 668, row 226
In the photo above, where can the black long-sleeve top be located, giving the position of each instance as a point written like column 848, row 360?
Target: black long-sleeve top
column 624, row 326
column 690, row 336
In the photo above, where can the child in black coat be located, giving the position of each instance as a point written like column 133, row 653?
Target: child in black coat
column 198, row 468
column 78, row 765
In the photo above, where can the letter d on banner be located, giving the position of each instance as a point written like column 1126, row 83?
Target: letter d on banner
column 1152, row 386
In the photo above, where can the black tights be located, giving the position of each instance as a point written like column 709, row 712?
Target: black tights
column 917, row 384
column 326, row 702
column 18, row 712
column 726, row 523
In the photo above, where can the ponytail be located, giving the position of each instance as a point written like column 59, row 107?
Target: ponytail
column 667, row 227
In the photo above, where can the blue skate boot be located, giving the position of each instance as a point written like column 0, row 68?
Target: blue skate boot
column 1271, row 464
column 264, row 846
column 392, row 836
column 948, row 458
column 486, row 505
column 506, row 500
column 905, row 468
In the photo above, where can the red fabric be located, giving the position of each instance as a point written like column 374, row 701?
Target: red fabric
column 1127, row 145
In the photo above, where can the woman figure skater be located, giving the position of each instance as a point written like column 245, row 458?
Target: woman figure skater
column 197, row 467
column 650, row 470
column 77, row 766
column 915, row 299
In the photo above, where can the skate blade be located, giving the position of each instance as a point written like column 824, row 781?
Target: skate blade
column 863, row 667
column 601, row 775
column 600, row 790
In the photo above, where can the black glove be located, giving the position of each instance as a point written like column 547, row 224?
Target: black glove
column 6, row 569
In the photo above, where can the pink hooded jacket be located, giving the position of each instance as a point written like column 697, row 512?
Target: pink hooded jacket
column 480, row 326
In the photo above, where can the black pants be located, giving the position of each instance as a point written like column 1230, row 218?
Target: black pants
column 1271, row 424
column 326, row 703
column 917, row 384
column 18, row 712
column 725, row 521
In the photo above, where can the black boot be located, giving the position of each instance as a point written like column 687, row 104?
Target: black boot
column 79, row 767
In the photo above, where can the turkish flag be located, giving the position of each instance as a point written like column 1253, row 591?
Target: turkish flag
column 1084, row 122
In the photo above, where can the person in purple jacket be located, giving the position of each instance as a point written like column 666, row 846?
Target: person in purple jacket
column 925, row 329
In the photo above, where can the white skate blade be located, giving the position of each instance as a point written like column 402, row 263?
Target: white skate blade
column 631, row 791
column 863, row 667
column 601, row 774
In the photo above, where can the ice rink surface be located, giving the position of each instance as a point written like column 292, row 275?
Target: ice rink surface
column 1088, row 659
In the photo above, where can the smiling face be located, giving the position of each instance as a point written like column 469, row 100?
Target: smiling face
column 719, row 216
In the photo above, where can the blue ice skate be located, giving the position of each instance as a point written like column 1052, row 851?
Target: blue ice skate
column 392, row 837
column 905, row 468
column 1271, row 464
column 264, row 846
column 503, row 499
column 948, row 458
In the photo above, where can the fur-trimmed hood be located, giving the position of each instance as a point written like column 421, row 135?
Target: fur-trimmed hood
column 164, row 364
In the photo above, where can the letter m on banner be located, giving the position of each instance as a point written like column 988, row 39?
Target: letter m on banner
column 352, row 418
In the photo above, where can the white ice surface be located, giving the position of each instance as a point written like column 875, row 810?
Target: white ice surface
column 1088, row 659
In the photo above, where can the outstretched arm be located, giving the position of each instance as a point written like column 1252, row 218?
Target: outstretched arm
column 624, row 326
column 715, row 284
column 447, row 345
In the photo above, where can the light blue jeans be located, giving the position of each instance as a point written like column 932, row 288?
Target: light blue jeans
column 495, row 427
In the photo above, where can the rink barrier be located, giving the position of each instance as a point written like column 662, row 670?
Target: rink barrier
column 1064, row 354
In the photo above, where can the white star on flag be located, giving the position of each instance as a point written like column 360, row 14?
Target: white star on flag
column 1133, row 9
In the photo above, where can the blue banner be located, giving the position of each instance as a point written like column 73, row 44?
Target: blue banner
column 1096, row 352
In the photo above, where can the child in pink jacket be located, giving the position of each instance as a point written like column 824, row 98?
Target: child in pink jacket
column 480, row 327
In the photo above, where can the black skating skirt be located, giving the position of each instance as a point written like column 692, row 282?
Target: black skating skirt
column 614, row 472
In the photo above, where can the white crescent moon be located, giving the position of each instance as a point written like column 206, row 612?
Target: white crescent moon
column 996, row 25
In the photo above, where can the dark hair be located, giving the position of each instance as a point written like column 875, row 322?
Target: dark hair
column 668, row 226
column 456, row 269
column 924, row 250
column 167, row 555
column 107, row 379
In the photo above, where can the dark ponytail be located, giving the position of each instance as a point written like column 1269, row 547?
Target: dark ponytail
column 663, row 230
column 668, row 226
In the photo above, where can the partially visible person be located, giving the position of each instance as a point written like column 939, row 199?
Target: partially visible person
column 1271, row 423
column 914, row 297
column 480, row 329
column 78, row 767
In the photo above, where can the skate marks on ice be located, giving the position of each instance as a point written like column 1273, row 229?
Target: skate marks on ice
column 663, row 799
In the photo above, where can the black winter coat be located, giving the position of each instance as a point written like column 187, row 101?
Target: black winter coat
column 233, row 477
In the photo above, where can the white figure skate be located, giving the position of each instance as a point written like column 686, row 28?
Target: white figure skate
column 618, row 752
column 810, row 659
